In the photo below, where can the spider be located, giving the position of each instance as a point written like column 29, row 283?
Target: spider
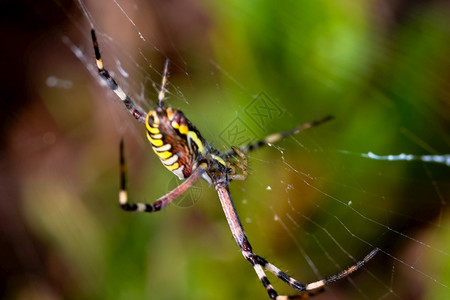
column 182, row 150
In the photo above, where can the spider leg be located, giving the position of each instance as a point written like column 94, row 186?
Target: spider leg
column 162, row 92
column 242, row 166
column 317, row 285
column 137, row 112
column 162, row 201
column 259, row 263
column 275, row 137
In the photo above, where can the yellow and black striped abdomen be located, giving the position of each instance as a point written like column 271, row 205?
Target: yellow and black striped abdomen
column 175, row 142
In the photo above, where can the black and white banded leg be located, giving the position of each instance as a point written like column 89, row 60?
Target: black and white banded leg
column 162, row 201
column 275, row 137
column 137, row 112
column 259, row 263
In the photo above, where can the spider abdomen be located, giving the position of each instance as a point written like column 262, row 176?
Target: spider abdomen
column 176, row 142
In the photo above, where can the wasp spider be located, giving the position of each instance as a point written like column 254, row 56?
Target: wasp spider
column 182, row 149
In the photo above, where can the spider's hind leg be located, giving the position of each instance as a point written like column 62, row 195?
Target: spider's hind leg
column 260, row 264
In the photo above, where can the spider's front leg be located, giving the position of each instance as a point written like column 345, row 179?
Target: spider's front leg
column 137, row 112
column 273, row 138
column 162, row 201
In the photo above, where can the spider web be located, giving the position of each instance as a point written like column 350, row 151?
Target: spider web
column 376, row 176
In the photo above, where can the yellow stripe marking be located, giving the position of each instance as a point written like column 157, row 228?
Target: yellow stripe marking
column 173, row 167
column 184, row 129
column 155, row 121
column 156, row 143
column 163, row 155
column 153, row 130
column 219, row 159
column 193, row 136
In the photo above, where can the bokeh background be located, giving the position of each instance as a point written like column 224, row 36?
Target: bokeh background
column 381, row 68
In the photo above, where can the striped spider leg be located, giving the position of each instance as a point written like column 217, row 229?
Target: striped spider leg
column 183, row 151
column 275, row 137
column 134, row 109
column 259, row 263
column 162, row 201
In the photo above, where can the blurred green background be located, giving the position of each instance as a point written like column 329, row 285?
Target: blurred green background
column 381, row 68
